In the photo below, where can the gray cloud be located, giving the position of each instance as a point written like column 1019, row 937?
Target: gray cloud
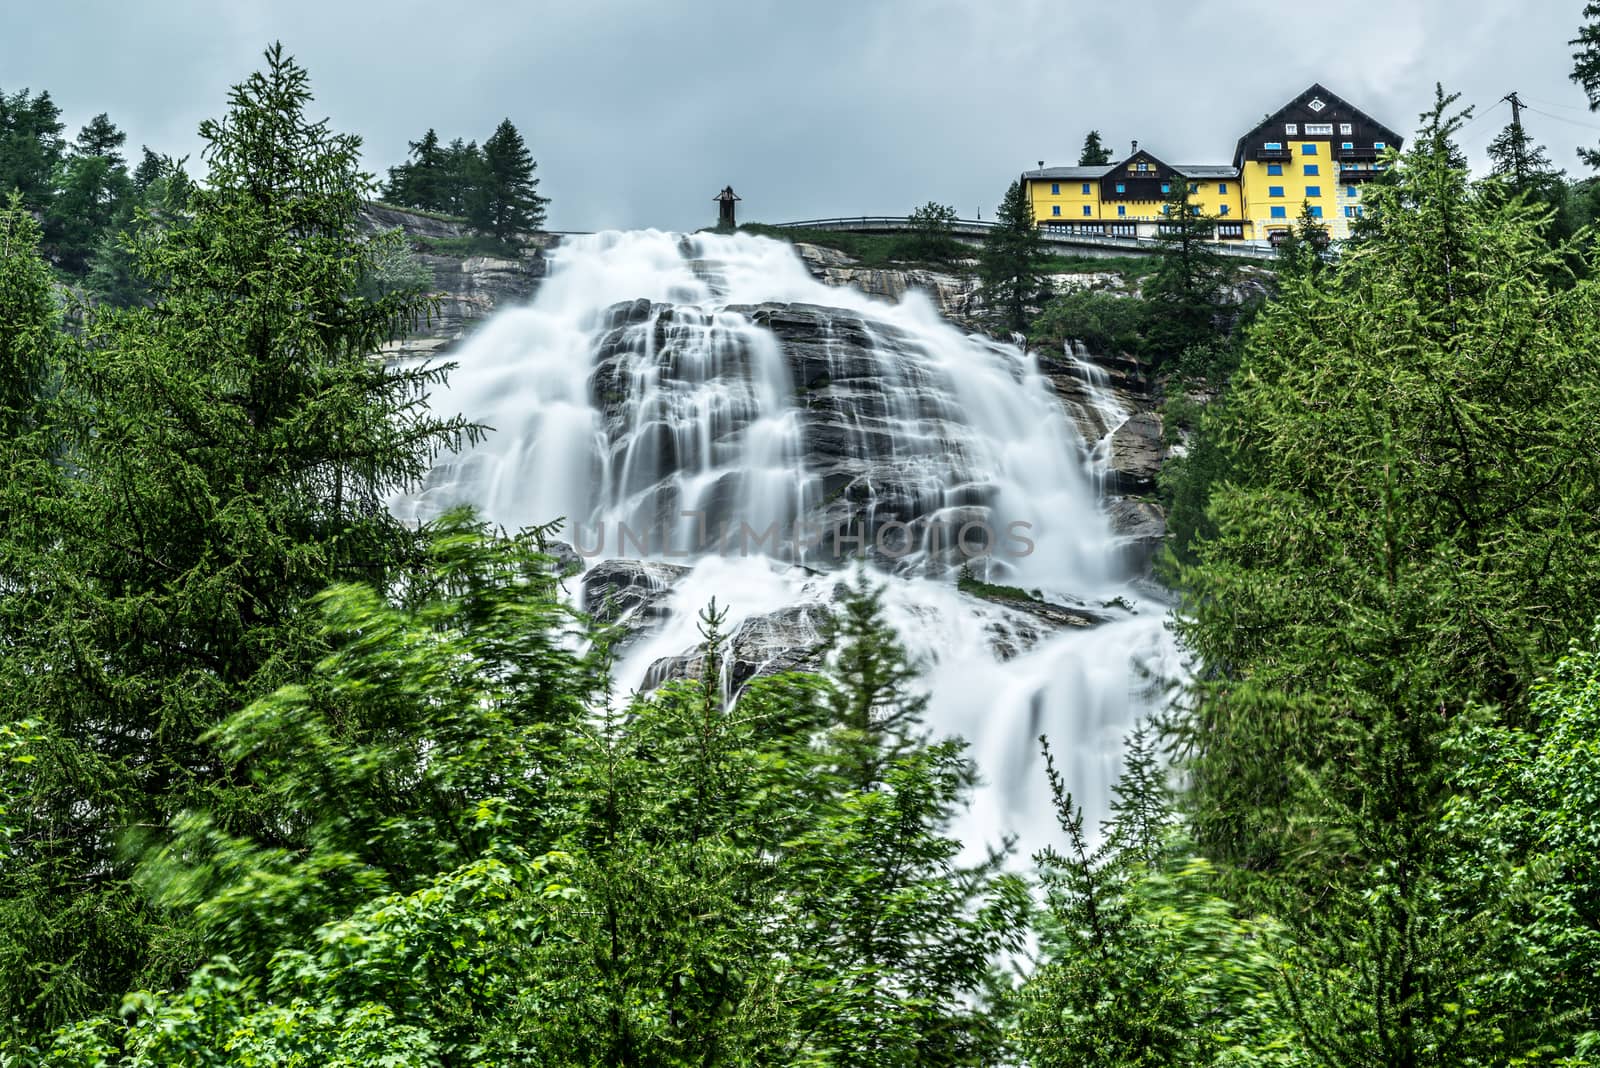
column 639, row 111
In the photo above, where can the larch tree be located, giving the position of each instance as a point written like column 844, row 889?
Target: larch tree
column 225, row 453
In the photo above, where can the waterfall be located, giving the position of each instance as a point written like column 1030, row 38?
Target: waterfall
column 1097, row 408
column 704, row 404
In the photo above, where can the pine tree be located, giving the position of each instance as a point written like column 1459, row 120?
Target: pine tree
column 31, row 146
column 1094, row 153
column 29, row 328
column 1302, row 251
column 1586, row 67
column 462, row 177
column 506, row 201
column 895, row 941
column 152, row 165
column 94, row 190
column 158, row 198
column 1010, row 264
column 229, row 451
column 101, row 138
column 421, row 181
column 1185, row 288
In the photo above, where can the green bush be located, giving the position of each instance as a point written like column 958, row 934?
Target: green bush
column 1104, row 322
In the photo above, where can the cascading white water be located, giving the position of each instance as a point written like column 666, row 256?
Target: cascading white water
column 671, row 396
column 1099, row 408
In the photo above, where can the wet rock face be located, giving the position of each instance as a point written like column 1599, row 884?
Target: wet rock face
column 955, row 296
column 790, row 639
column 1142, row 526
column 632, row 592
column 468, row 289
column 1136, row 453
column 852, row 386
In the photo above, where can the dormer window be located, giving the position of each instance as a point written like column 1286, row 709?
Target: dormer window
column 1345, row 129
column 1291, row 128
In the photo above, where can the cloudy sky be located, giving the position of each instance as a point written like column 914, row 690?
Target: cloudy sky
column 638, row 111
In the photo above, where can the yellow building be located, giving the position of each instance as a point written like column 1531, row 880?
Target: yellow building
column 1313, row 153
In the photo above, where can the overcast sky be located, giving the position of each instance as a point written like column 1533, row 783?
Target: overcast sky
column 638, row 111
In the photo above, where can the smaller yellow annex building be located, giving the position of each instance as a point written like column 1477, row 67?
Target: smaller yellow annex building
column 1314, row 152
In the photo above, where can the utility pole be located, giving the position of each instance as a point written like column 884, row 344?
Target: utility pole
column 1519, row 160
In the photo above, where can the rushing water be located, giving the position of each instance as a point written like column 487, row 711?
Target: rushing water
column 688, row 391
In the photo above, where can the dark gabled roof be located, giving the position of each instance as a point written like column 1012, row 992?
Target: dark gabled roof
column 1298, row 110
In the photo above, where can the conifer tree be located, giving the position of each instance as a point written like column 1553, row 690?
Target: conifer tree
column 229, row 450
column 506, row 200
column 1586, row 67
column 1094, row 153
column 898, row 940
column 421, row 181
column 1398, row 547
column 1185, row 287
column 31, row 146
column 1009, row 265
column 93, row 191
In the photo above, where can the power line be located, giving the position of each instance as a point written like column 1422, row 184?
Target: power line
column 1552, row 104
column 1559, row 118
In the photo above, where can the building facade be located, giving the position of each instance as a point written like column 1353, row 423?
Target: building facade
column 1312, row 154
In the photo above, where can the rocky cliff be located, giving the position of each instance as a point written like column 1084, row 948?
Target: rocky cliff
column 467, row 286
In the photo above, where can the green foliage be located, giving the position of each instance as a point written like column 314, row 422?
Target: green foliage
column 90, row 195
column 492, row 187
column 159, row 201
column 1303, row 252
column 1184, row 293
column 395, row 268
column 506, row 201
column 31, row 147
column 29, row 338
column 897, row 936
column 1144, row 963
column 1401, row 536
column 210, row 462
column 1529, row 812
column 493, row 864
column 1105, row 322
column 1011, row 265
column 1586, row 68
column 469, row 245
column 1094, row 152
column 932, row 234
